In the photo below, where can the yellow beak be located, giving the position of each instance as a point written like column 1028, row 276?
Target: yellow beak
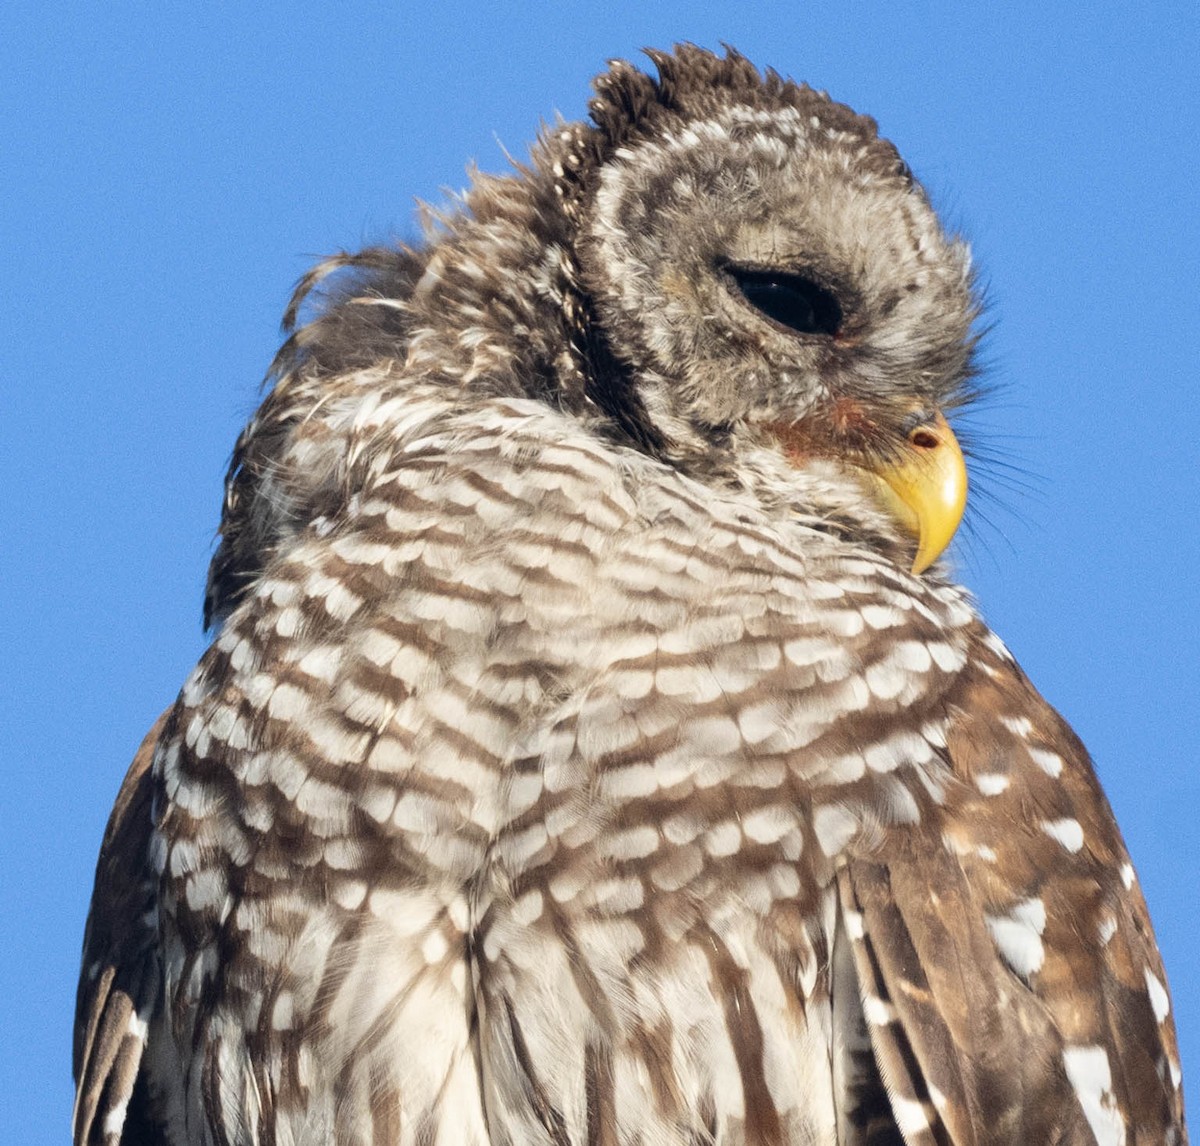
column 925, row 488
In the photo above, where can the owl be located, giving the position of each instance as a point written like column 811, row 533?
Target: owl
column 591, row 748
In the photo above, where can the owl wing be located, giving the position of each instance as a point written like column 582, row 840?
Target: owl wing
column 1013, row 956
column 119, row 986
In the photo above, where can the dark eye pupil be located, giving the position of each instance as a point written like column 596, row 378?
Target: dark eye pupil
column 790, row 299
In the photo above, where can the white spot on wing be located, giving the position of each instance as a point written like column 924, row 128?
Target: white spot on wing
column 904, row 748
column 138, row 1027
column 1049, row 762
column 1159, row 999
column 1068, row 832
column 114, row 1120
column 997, row 646
column 947, row 657
column 991, row 783
column 910, row 1115
column 1018, row 725
column 1018, row 936
column 1091, row 1075
column 877, row 1012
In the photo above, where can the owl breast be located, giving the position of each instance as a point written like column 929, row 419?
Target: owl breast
column 525, row 818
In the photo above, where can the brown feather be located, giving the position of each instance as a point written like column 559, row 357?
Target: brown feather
column 120, row 976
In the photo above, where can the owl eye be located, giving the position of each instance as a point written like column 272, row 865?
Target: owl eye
column 792, row 300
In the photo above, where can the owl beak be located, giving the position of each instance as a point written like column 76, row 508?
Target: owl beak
column 925, row 488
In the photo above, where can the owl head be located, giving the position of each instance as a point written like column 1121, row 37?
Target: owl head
column 756, row 250
column 725, row 270
column 756, row 267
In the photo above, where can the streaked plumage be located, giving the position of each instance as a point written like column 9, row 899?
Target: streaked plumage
column 577, row 758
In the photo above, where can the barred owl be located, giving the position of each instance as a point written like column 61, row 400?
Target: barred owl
column 591, row 748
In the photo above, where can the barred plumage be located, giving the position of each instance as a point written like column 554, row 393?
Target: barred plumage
column 578, row 757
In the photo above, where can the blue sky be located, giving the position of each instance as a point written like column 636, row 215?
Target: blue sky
column 168, row 171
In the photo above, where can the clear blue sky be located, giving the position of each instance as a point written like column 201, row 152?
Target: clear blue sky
column 167, row 171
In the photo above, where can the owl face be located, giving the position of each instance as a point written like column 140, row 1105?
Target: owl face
column 773, row 269
column 738, row 259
